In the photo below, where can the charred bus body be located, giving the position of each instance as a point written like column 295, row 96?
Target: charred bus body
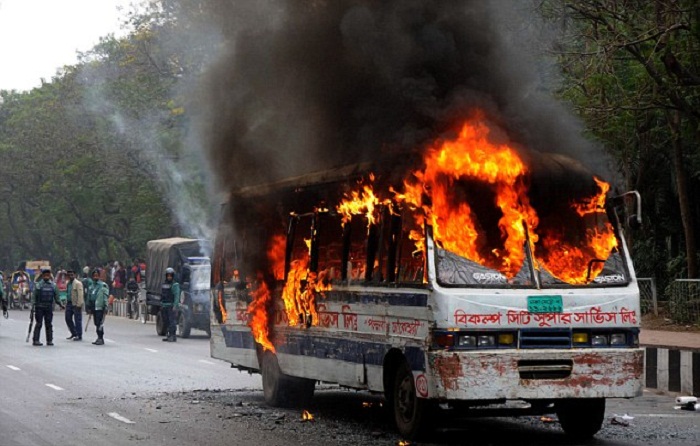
column 385, row 297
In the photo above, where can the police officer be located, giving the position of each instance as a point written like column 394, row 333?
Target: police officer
column 98, row 298
column 3, row 298
column 44, row 296
column 170, row 301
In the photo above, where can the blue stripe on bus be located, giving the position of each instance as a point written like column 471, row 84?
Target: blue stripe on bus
column 326, row 347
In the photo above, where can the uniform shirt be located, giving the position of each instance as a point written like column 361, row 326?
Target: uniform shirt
column 98, row 295
column 176, row 295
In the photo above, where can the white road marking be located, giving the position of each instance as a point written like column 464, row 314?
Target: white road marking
column 54, row 387
column 110, row 341
column 663, row 415
column 151, row 350
column 206, row 362
column 118, row 417
column 11, row 367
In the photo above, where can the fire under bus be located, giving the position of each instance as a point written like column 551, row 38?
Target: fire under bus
column 483, row 282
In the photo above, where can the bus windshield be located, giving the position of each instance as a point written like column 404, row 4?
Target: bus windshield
column 572, row 260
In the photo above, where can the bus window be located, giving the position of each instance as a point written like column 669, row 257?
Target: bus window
column 299, row 244
column 411, row 256
column 383, row 240
column 357, row 249
column 330, row 248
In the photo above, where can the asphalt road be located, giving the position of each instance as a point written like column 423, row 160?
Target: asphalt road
column 65, row 394
column 137, row 390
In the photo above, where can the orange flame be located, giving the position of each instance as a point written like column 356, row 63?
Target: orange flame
column 306, row 416
column 473, row 157
column 300, row 300
column 363, row 202
column 222, row 306
column 259, row 320
column 571, row 263
column 441, row 190
column 275, row 255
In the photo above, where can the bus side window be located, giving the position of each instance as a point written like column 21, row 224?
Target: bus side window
column 357, row 249
column 387, row 236
column 411, row 258
column 299, row 244
column 330, row 248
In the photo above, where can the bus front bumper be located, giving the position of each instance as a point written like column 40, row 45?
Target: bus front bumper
column 533, row 374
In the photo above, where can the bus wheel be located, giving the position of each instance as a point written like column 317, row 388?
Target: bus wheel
column 272, row 381
column 410, row 412
column 161, row 329
column 281, row 390
column 581, row 418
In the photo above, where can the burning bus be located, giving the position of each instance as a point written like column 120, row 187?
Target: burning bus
column 481, row 276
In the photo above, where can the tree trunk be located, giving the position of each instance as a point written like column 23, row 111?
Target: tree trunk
column 683, row 200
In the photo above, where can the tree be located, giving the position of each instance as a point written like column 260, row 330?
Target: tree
column 632, row 71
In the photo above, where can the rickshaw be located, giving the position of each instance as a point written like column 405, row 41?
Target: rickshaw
column 20, row 290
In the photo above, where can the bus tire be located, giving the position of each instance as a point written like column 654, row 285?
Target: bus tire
column 410, row 412
column 581, row 419
column 282, row 390
column 161, row 329
column 272, row 380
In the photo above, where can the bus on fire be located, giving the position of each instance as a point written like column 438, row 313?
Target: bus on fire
column 480, row 278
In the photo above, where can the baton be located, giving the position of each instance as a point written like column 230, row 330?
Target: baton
column 88, row 321
column 31, row 324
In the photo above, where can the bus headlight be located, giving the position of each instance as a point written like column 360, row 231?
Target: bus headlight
column 487, row 341
column 599, row 341
column 618, row 339
column 467, row 341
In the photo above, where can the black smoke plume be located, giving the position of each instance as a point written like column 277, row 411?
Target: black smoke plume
column 308, row 85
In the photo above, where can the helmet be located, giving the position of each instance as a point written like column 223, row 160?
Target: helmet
column 169, row 271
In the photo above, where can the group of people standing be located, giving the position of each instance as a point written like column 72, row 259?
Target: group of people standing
column 91, row 293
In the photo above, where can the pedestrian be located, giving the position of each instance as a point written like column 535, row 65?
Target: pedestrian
column 43, row 298
column 96, row 304
column 132, row 291
column 3, row 297
column 87, row 283
column 74, row 306
column 136, row 271
column 170, row 302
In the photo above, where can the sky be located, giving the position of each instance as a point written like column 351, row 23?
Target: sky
column 39, row 36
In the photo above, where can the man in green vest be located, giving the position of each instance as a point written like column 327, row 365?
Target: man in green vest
column 98, row 298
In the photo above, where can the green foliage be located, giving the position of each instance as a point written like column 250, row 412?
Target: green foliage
column 632, row 71
column 83, row 156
